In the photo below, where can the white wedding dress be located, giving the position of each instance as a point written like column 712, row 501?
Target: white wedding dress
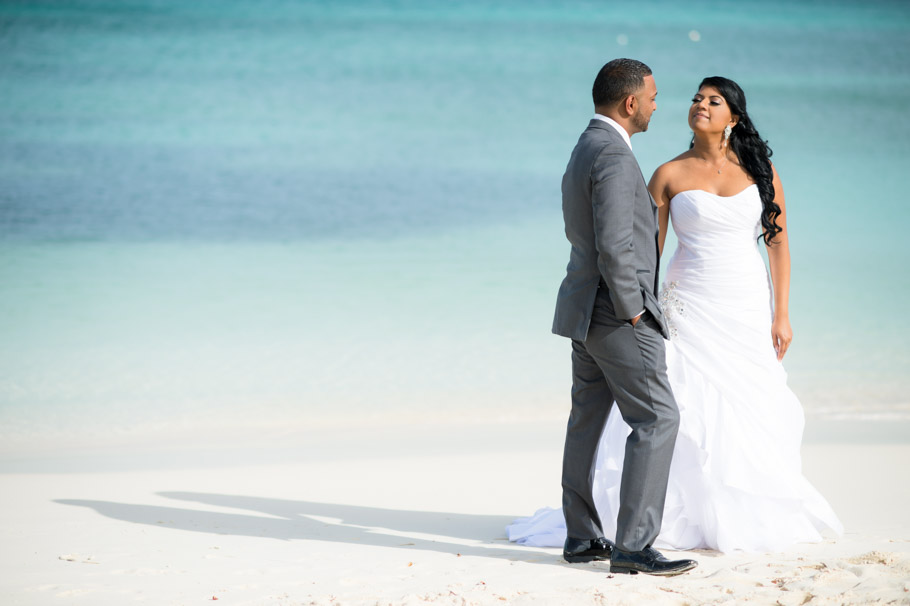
column 735, row 481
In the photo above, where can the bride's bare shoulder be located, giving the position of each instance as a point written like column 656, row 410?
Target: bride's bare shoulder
column 677, row 164
column 667, row 175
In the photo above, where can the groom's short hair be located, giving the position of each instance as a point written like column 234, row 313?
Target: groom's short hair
column 617, row 80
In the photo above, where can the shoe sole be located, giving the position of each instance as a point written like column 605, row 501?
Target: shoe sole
column 584, row 559
column 666, row 573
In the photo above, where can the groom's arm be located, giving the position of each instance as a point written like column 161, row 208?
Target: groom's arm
column 614, row 179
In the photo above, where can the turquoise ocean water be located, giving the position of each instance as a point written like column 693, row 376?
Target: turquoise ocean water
column 225, row 215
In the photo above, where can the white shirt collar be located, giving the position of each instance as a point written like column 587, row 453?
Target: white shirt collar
column 622, row 132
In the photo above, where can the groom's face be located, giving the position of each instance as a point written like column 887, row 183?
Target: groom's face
column 646, row 99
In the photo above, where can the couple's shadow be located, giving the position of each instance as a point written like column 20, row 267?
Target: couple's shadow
column 287, row 520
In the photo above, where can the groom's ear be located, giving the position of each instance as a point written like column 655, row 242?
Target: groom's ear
column 629, row 105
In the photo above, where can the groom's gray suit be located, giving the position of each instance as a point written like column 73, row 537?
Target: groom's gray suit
column 611, row 223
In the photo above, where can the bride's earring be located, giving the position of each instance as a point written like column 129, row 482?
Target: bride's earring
column 727, row 131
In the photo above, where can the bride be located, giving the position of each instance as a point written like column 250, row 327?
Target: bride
column 736, row 481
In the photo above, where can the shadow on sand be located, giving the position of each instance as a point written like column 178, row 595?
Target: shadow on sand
column 453, row 533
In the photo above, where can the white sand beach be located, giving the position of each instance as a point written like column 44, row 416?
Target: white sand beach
column 402, row 515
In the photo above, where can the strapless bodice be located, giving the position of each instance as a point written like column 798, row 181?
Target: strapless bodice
column 718, row 241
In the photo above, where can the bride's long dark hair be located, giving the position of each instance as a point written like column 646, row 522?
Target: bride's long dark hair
column 753, row 152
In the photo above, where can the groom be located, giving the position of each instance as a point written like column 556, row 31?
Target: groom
column 607, row 305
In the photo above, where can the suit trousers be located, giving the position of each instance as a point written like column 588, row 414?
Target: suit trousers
column 625, row 364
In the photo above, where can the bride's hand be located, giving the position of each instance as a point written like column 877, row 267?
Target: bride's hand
column 781, row 336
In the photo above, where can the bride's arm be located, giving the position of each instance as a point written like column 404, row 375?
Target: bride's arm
column 779, row 260
column 658, row 188
column 663, row 222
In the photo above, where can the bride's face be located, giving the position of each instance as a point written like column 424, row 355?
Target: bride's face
column 709, row 112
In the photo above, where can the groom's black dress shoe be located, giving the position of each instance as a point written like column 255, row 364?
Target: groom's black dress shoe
column 648, row 561
column 587, row 550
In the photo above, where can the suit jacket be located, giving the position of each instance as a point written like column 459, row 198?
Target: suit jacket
column 611, row 223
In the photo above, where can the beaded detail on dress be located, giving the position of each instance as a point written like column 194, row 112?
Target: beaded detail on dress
column 672, row 307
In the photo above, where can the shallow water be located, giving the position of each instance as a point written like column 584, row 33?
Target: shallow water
column 216, row 213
